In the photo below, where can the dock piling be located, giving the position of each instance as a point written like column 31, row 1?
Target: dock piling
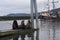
column 34, row 10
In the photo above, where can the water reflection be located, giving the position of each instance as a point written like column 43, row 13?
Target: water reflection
column 50, row 30
column 15, row 37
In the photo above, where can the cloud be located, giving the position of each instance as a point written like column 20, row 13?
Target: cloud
column 9, row 6
column 19, row 6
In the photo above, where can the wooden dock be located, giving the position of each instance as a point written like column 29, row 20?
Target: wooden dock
column 13, row 32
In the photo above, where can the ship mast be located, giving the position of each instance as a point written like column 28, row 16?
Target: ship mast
column 48, row 8
column 53, row 2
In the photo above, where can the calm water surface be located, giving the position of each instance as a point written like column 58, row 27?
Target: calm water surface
column 47, row 31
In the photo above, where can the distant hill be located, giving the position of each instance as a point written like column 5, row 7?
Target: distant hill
column 21, row 14
column 18, row 14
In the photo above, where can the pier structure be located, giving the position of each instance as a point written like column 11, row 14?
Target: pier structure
column 34, row 10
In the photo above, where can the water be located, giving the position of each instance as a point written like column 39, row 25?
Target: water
column 47, row 31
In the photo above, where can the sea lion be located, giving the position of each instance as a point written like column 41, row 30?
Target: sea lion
column 28, row 25
column 15, row 25
column 22, row 26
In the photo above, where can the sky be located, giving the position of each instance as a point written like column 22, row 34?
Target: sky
column 22, row 6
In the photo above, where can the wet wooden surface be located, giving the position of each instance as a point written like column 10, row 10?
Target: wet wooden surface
column 13, row 32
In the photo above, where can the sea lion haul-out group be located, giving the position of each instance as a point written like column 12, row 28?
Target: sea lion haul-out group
column 22, row 26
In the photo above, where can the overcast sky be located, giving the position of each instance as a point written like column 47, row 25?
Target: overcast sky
column 22, row 6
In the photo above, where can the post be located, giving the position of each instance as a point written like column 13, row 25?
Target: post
column 32, row 17
column 35, row 8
